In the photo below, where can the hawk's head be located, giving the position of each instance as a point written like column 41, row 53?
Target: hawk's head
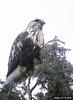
column 35, row 31
column 36, row 24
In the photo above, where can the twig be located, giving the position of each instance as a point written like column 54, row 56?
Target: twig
column 34, row 86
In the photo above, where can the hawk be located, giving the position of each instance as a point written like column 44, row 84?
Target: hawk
column 25, row 49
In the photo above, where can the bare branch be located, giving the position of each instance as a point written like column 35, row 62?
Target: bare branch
column 34, row 86
column 28, row 88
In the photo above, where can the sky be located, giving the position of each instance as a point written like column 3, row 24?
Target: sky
column 16, row 14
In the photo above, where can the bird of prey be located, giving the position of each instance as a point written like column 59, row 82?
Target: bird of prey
column 25, row 49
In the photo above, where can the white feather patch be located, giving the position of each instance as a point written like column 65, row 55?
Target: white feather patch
column 15, row 74
column 19, row 44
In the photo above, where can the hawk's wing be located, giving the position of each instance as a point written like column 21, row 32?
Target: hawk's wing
column 15, row 52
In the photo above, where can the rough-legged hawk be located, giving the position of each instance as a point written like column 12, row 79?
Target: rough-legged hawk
column 24, row 50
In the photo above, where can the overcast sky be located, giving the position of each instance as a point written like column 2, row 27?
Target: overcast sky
column 16, row 14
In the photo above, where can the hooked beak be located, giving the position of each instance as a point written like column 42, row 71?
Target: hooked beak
column 43, row 22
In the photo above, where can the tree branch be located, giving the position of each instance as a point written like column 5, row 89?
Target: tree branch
column 28, row 88
column 34, row 86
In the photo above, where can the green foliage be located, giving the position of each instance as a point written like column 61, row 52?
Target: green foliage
column 41, row 96
column 54, row 74
column 14, row 95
